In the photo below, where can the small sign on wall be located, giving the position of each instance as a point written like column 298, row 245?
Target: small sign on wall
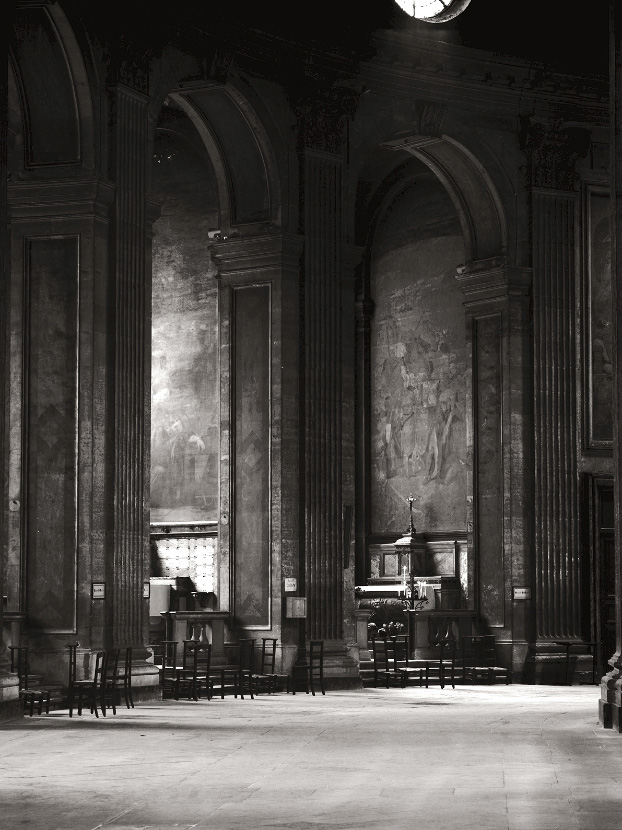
column 146, row 590
column 98, row 590
column 291, row 584
column 521, row 593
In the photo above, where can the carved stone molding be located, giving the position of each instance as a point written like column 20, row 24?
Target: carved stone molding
column 552, row 150
column 323, row 114
column 30, row 201
column 429, row 118
column 129, row 65
column 496, row 282
column 237, row 258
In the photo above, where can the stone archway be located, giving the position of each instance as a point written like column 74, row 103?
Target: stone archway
column 496, row 318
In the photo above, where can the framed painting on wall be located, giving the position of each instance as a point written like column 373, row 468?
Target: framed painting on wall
column 598, row 322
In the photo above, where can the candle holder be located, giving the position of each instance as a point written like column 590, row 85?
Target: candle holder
column 415, row 600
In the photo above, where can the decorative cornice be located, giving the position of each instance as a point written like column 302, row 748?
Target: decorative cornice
column 30, row 201
column 245, row 258
column 468, row 78
column 493, row 280
column 552, row 150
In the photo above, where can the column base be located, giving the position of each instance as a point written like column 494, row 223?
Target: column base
column 341, row 668
column 610, row 703
column 10, row 704
column 549, row 664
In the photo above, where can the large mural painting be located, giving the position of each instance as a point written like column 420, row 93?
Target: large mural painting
column 418, row 365
column 185, row 412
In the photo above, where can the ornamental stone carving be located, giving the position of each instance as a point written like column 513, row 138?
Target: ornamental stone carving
column 552, row 151
column 323, row 115
column 429, row 119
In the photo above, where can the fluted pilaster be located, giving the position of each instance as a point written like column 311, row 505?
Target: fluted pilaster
column 323, row 325
column 610, row 704
column 555, row 415
column 130, row 450
column 8, row 684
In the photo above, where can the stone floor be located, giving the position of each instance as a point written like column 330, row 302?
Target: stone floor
column 481, row 758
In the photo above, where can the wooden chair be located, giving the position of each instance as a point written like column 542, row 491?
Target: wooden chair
column 267, row 663
column 398, row 670
column 442, row 666
column 194, row 675
column 124, row 678
column 32, row 695
column 312, row 673
column 380, row 654
column 479, row 659
column 109, row 688
column 165, row 657
column 252, row 678
column 86, row 691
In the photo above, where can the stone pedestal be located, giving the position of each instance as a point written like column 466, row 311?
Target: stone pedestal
column 361, row 616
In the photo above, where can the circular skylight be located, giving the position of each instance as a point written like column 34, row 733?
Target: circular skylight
column 433, row 11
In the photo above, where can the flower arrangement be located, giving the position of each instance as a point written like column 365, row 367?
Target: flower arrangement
column 389, row 629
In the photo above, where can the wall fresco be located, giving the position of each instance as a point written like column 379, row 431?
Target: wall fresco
column 418, row 364
column 185, row 353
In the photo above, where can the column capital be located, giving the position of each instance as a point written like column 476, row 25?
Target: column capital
column 323, row 113
column 486, row 281
column 552, row 149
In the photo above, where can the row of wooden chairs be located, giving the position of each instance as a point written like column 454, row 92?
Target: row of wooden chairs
column 252, row 672
column 473, row 660
column 109, row 679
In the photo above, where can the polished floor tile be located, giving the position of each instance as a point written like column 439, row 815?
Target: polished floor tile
column 487, row 758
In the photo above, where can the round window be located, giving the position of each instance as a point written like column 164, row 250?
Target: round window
column 433, row 11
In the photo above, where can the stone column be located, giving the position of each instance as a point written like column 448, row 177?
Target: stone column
column 130, row 383
column 8, row 681
column 610, row 704
column 323, row 119
column 552, row 150
column 498, row 332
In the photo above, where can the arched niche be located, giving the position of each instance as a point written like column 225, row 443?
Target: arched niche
column 239, row 151
column 418, row 360
column 427, row 214
column 212, row 173
column 470, row 188
column 50, row 108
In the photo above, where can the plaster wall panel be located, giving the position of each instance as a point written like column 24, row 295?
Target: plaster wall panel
column 52, row 302
column 489, row 472
column 251, row 467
